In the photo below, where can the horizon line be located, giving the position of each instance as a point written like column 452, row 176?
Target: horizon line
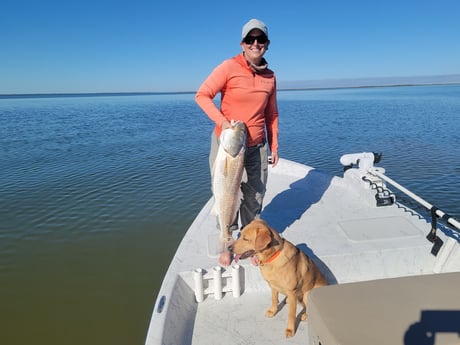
column 300, row 85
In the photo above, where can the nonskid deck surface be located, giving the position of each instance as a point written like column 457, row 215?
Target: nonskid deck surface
column 242, row 321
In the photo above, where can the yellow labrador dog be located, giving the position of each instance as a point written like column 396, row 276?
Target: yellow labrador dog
column 285, row 267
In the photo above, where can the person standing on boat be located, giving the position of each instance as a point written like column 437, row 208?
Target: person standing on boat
column 248, row 93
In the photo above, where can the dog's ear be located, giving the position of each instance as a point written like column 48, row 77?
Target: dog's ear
column 275, row 235
column 263, row 238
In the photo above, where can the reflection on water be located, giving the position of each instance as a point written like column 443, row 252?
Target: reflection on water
column 98, row 191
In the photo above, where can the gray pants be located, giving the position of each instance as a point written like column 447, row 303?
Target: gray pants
column 254, row 181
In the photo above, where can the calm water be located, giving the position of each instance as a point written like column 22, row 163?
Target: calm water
column 98, row 191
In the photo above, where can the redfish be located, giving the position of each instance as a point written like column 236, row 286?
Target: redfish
column 227, row 175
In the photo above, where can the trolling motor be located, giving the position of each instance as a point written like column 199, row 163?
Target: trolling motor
column 364, row 162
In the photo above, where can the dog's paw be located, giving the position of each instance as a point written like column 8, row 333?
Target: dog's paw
column 289, row 332
column 270, row 313
column 303, row 316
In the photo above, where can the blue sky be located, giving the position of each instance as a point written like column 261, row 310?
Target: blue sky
column 153, row 46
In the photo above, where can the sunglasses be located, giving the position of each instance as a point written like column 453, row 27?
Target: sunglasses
column 251, row 39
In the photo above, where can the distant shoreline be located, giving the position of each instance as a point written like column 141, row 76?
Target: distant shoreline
column 364, row 86
column 282, row 89
column 89, row 94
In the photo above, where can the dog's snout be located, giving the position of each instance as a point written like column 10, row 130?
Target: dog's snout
column 230, row 248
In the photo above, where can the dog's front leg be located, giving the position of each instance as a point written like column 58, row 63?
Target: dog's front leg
column 303, row 303
column 274, row 307
column 292, row 302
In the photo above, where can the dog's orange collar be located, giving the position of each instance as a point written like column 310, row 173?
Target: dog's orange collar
column 271, row 258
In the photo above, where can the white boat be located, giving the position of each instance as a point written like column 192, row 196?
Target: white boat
column 389, row 282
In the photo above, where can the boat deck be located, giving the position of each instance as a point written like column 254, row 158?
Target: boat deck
column 245, row 324
column 335, row 221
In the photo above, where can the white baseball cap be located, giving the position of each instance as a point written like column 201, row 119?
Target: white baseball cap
column 254, row 24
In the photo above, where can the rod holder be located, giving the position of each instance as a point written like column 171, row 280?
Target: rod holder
column 236, row 287
column 198, row 279
column 217, row 276
column 217, row 282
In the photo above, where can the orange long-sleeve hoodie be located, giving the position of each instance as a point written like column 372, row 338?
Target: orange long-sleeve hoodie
column 246, row 96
